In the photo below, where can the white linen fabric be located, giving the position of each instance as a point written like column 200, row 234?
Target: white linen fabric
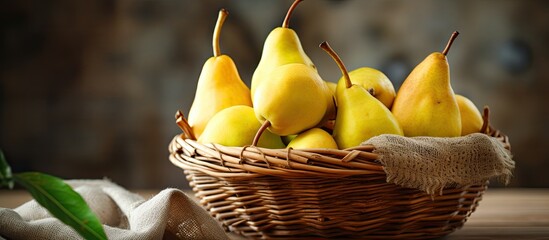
column 125, row 215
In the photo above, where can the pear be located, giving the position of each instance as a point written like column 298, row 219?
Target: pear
column 425, row 104
column 313, row 138
column 282, row 46
column 471, row 119
column 331, row 108
column 374, row 81
column 360, row 115
column 219, row 85
column 236, row 126
column 287, row 139
column 289, row 102
column 332, row 86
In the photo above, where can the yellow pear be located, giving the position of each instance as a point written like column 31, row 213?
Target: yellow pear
column 425, row 104
column 236, row 126
column 332, row 86
column 219, row 85
column 289, row 102
column 360, row 115
column 471, row 119
column 282, row 46
column 374, row 81
column 313, row 138
column 331, row 108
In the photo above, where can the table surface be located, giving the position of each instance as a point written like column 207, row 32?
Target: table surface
column 509, row 213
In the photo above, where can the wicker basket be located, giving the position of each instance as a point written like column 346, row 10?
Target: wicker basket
column 316, row 193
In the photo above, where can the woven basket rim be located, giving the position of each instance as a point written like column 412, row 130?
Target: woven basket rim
column 249, row 161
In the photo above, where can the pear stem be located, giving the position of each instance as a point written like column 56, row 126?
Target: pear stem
column 286, row 22
column 217, row 31
column 326, row 47
column 452, row 38
column 260, row 131
column 184, row 125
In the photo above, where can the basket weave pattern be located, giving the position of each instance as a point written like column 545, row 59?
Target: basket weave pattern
column 266, row 193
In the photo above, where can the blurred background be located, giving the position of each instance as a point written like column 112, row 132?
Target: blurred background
column 89, row 89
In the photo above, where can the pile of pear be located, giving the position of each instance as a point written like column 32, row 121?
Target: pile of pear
column 290, row 106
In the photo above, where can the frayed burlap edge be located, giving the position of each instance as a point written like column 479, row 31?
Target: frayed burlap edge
column 431, row 164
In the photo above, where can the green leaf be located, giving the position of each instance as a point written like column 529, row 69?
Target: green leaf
column 6, row 178
column 62, row 202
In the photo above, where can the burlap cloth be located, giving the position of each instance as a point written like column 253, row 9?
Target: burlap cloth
column 168, row 215
column 430, row 164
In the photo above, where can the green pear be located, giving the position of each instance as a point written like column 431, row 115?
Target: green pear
column 236, row 126
column 282, row 46
column 313, row 138
column 374, row 81
column 219, row 78
column 287, row 139
column 425, row 104
column 360, row 115
column 289, row 102
column 471, row 119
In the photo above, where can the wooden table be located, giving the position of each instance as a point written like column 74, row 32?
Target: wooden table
column 502, row 214
column 508, row 214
